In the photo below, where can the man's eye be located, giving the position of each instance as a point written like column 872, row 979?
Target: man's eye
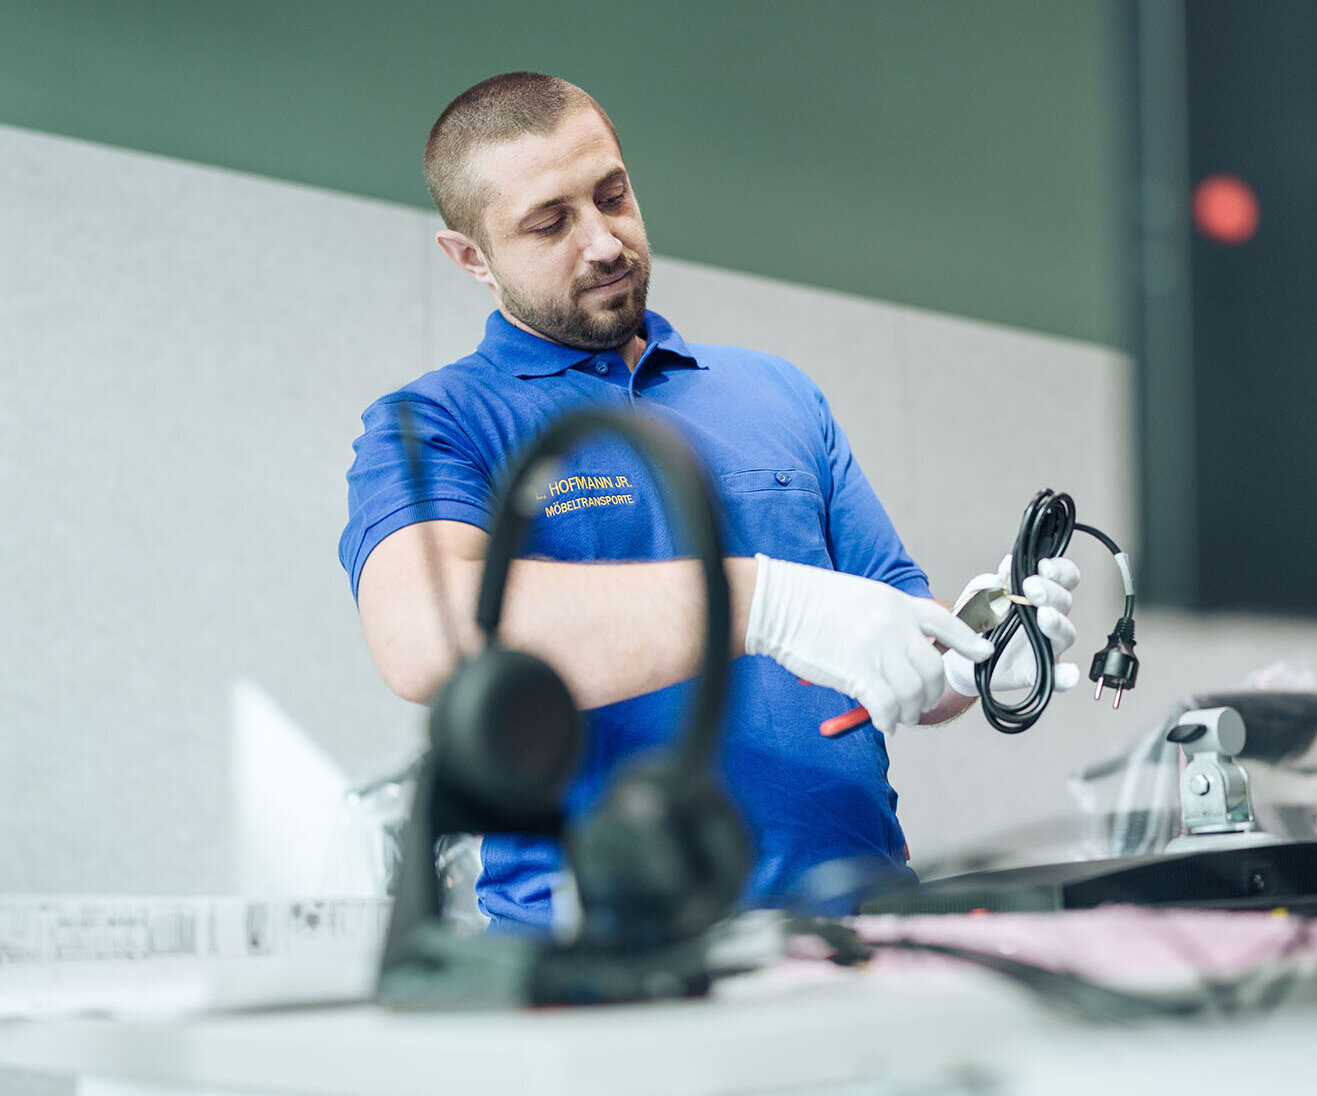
column 613, row 201
column 550, row 229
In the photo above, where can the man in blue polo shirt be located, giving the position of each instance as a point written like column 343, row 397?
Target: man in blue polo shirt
column 528, row 175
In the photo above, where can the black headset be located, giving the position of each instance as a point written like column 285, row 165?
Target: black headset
column 657, row 862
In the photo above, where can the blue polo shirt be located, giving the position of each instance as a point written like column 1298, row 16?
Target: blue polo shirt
column 789, row 488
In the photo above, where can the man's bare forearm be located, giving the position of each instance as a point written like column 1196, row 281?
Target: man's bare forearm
column 617, row 630
column 611, row 630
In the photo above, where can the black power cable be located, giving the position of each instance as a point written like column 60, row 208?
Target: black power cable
column 1045, row 530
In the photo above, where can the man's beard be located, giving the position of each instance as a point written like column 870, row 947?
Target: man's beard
column 567, row 323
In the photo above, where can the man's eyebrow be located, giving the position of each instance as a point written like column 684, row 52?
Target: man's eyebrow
column 563, row 199
column 612, row 176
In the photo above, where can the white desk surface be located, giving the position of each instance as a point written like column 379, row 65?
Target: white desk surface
column 841, row 1033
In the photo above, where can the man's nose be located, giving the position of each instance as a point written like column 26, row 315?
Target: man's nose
column 598, row 243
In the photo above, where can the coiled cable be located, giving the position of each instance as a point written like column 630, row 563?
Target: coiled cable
column 1045, row 531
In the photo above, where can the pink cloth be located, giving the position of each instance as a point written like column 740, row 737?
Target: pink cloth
column 1111, row 944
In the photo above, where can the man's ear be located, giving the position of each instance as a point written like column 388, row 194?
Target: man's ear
column 464, row 252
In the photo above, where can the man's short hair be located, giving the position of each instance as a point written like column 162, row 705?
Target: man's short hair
column 501, row 108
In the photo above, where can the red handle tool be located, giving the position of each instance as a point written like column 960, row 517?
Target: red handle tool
column 844, row 723
column 841, row 724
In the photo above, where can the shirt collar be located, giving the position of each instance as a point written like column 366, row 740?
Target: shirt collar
column 522, row 354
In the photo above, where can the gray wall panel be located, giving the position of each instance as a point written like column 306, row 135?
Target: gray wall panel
column 187, row 352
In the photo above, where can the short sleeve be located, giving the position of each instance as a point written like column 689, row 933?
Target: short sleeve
column 453, row 483
column 861, row 537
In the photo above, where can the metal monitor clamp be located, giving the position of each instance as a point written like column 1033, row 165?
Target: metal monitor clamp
column 1214, row 790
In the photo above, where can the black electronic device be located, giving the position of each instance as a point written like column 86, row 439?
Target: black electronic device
column 1256, row 877
column 657, row 863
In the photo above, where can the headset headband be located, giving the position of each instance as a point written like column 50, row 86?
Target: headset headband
column 684, row 485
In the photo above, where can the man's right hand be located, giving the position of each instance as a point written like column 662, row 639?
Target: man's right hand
column 863, row 638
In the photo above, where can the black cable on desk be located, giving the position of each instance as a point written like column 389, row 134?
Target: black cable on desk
column 1045, row 530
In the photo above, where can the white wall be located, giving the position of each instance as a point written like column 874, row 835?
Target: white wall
column 186, row 352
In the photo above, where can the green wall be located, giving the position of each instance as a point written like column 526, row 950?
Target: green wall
column 960, row 155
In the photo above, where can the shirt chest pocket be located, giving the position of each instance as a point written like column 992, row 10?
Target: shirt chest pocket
column 777, row 511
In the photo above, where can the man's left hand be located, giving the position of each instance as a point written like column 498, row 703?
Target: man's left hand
column 1049, row 590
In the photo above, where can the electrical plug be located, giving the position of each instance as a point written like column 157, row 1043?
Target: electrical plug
column 1116, row 664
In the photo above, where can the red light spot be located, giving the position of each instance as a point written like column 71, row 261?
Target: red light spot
column 1226, row 209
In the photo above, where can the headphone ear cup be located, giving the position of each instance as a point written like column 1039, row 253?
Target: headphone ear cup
column 508, row 735
column 661, row 859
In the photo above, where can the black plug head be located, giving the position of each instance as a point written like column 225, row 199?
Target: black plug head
column 1116, row 665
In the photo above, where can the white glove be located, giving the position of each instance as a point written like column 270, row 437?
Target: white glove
column 1049, row 589
column 863, row 638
